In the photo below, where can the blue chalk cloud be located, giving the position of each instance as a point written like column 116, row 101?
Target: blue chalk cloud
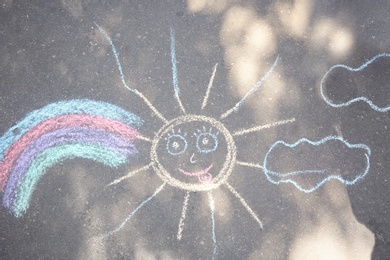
column 354, row 100
column 310, row 164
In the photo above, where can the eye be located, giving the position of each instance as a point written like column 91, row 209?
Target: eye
column 176, row 144
column 206, row 142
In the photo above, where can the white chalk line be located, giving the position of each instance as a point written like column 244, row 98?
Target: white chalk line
column 130, row 174
column 246, row 206
column 144, row 138
column 147, row 102
column 259, row 128
column 206, row 97
column 183, row 216
column 180, row 104
column 121, row 74
column 110, row 233
column 250, row 92
column 212, row 209
column 253, row 165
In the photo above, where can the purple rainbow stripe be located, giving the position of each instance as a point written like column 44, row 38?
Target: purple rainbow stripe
column 15, row 150
column 106, row 140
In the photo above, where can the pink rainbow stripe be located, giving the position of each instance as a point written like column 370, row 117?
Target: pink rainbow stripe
column 73, row 120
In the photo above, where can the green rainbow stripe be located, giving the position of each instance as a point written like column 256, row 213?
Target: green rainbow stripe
column 54, row 155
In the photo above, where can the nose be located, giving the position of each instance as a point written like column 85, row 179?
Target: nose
column 192, row 158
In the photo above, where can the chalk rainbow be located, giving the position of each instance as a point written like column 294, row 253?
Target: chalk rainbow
column 64, row 130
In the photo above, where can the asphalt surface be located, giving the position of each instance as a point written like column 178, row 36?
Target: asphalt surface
column 55, row 51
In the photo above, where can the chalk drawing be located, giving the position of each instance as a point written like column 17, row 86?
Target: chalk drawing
column 360, row 68
column 76, row 128
column 116, row 56
column 251, row 91
column 105, row 133
column 190, row 152
column 181, row 150
column 277, row 177
column 174, row 72
column 183, row 216
column 110, row 233
column 212, row 209
column 211, row 81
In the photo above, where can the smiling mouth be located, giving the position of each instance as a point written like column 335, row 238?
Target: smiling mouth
column 203, row 175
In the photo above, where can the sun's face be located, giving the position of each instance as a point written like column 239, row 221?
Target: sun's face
column 194, row 153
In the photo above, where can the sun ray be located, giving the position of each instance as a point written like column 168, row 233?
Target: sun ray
column 253, row 165
column 144, row 138
column 250, row 92
column 116, row 55
column 212, row 209
column 206, row 97
column 246, row 206
column 174, row 72
column 130, row 174
column 110, row 233
column 261, row 127
column 147, row 102
column 183, row 216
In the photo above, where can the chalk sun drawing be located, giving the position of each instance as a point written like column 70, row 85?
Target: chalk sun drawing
column 190, row 142
column 193, row 153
